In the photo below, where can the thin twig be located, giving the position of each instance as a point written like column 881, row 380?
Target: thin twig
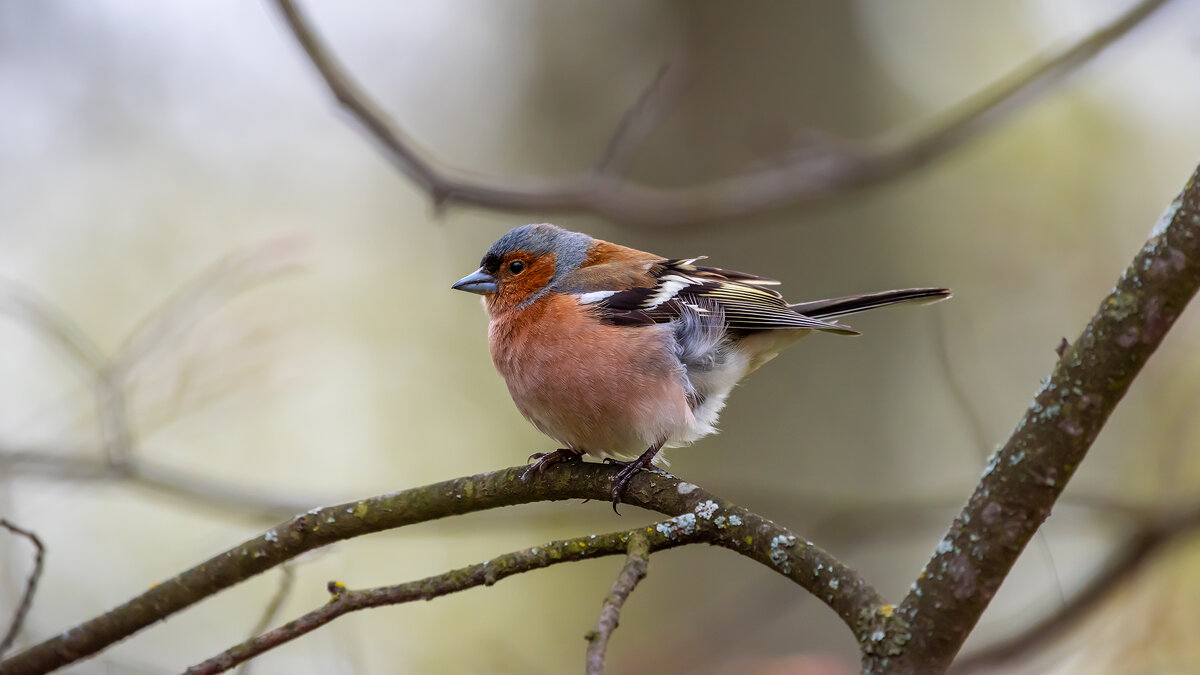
column 213, row 288
column 643, row 118
column 287, row 578
column 637, row 560
column 217, row 285
column 845, row 167
column 344, row 601
column 22, row 610
column 958, row 390
column 42, row 316
column 975, row 421
column 693, row 509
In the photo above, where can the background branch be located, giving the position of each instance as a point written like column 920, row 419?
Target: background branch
column 287, row 577
column 842, row 166
column 22, row 610
column 640, row 121
column 632, row 572
column 693, row 509
column 113, row 376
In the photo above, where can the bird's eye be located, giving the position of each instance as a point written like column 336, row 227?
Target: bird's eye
column 516, row 267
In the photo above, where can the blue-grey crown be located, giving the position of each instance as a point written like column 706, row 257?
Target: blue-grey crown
column 569, row 248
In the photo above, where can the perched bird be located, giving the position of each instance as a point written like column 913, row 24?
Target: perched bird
column 617, row 352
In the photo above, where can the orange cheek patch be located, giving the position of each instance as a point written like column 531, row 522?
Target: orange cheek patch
column 515, row 288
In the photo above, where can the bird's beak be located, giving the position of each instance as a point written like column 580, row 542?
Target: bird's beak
column 476, row 282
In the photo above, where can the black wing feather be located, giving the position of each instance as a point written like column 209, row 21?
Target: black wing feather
column 682, row 286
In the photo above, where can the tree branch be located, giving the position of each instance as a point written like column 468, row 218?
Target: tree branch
column 1141, row 548
column 1025, row 477
column 637, row 559
column 255, row 503
column 844, row 166
column 39, row 559
column 666, row 534
column 693, row 509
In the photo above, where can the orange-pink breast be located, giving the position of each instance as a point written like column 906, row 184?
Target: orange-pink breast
column 602, row 389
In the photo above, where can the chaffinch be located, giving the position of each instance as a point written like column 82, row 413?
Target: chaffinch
column 617, row 352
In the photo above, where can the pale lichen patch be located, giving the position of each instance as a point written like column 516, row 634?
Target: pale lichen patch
column 686, row 488
column 706, row 509
column 685, row 524
column 779, row 552
column 1168, row 215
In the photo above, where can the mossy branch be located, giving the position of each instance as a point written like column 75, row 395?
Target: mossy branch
column 638, row 543
column 1025, row 477
column 697, row 515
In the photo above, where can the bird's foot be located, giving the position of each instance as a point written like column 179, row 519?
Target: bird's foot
column 620, row 482
column 546, row 459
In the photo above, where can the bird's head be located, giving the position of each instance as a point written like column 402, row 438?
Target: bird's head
column 525, row 264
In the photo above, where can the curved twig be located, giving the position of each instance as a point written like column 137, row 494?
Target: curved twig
column 42, row 316
column 111, row 376
column 641, row 120
column 842, row 167
column 692, row 508
column 39, row 560
column 637, row 559
column 287, row 579
column 344, row 601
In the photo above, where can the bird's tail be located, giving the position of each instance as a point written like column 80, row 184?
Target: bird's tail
column 834, row 308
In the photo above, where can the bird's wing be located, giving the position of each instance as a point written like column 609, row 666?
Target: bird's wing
column 674, row 287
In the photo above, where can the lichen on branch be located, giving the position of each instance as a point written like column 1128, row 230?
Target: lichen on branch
column 1025, row 477
column 696, row 515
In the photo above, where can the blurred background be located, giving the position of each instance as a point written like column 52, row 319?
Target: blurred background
column 182, row 202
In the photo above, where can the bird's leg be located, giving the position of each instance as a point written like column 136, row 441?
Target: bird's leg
column 629, row 470
column 545, row 459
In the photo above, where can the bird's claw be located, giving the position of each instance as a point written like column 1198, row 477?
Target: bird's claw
column 620, row 482
column 546, row 459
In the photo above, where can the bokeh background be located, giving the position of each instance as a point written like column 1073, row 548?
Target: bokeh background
column 176, row 183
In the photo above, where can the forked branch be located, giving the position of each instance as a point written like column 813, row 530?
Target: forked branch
column 637, row 560
column 697, row 515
